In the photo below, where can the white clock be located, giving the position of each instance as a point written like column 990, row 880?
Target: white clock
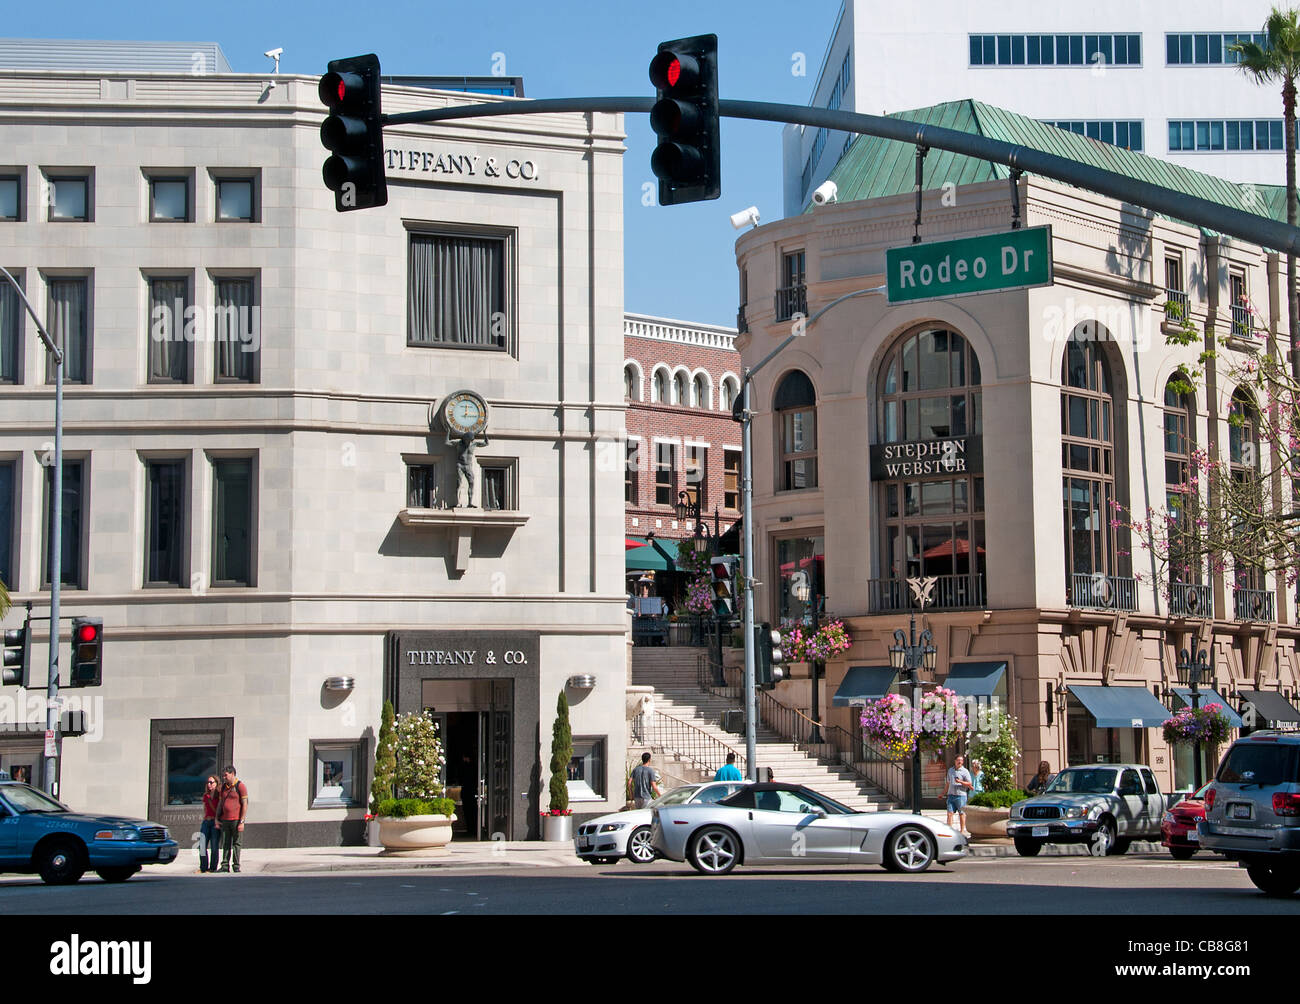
column 465, row 413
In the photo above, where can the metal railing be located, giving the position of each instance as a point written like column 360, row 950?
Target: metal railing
column 950, row 592
column 791, row 300
column 686, row 742
column 1252, row 605
column 1241, row 322
column 1186, row 599
column 1177, row 304
column 1102, row 592
column 686, row 629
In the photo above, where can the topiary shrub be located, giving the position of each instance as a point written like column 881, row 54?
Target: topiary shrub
column 401, row 808
column 1001, row 799
column 419, row 756
column 561, row 754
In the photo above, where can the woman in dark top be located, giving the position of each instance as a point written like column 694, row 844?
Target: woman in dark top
column 209, row 842
column 1039, row 781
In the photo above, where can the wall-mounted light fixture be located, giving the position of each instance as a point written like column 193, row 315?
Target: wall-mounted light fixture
column 340, row 683
column 581, row 681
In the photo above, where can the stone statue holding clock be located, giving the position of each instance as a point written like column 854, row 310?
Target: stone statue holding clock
column 465, row 414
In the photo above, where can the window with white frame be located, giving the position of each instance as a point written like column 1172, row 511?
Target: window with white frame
column 586, row 771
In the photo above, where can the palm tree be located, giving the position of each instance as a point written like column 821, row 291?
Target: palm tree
column 4, row 599
column 1279, row 60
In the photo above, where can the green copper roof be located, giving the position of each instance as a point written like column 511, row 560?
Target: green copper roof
column 873, row 168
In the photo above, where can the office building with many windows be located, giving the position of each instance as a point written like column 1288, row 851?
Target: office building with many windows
column 1159, row 79
column 262, row 497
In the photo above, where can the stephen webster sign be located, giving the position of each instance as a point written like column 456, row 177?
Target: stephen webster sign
column 464, row 165
column 930, row 458
column 1014, row 260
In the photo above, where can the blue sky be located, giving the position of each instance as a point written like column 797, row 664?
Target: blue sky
column 680, row 260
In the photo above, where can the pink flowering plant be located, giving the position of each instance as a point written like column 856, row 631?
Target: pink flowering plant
column 1206, row 725
column 896, row 726
column 699, row 596
column 803, row 645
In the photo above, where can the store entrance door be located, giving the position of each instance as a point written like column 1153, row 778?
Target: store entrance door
column 469, row 714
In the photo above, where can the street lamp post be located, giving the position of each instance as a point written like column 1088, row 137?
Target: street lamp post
column 702, row 542
column 910, row 654
column 1195, row 665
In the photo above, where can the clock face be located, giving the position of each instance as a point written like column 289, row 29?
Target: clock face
column 465, row 412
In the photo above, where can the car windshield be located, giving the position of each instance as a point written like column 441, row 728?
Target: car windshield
column 676, row 797
column 26, row 799
column 1259, row 763
column 1082, row 781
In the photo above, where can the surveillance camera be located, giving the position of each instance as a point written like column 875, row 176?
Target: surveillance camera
column 826, row 192
column 745, row 218
column 273, row 53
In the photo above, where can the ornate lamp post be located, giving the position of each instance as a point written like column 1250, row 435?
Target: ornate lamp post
column 1195, row 665
column 911, row 654
column 703, row 542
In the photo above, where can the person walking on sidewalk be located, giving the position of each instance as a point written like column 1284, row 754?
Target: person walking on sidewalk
column 645, row 783
column 233, row 807
column 209, row 841
column 729, row 771
column 958, row 785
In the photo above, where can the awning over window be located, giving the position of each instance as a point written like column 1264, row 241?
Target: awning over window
column 976, row 679
column 658, row 555
column 1209, row 697
column 1270, row 707
column 862, row 684
column 1122, row 707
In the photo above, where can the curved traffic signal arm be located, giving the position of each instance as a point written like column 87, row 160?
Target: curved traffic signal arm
column 687, row 160
column 353, row 133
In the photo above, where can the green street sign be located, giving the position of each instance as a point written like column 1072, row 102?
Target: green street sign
column 940, row 269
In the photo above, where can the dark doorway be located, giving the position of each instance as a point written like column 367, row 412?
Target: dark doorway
column 466, row 779
column 474, row 719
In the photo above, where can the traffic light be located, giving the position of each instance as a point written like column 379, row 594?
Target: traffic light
column 18, row 655
column 724, row 587
column 687, row 160
column 769, row 662
column 87, row 652
column 354, row 134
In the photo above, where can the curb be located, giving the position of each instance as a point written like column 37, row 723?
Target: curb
column 1008, row 850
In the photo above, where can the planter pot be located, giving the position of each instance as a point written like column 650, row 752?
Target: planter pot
column 415, row 835
column 557, row 828
column 372, row 833
column 987, row 824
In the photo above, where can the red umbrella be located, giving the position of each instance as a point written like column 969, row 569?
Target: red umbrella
column 628, row 543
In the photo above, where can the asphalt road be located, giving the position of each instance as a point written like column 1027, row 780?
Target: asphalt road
column 1134, row 884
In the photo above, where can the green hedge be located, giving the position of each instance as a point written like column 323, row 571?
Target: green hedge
column 400, row 808
column 998, row 799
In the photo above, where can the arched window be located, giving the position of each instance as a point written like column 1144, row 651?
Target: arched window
column 727, row 394
column 659, row 387
column 795, row 406
column 1245, row 465
column 1089, row 419
column 1180, row 496
column 699, row 392
column 679, row 388
column 631, row 383
column 932, row 511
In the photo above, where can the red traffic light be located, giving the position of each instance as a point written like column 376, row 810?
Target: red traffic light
column 669, row 69
column 87, row 632
column 337, row 89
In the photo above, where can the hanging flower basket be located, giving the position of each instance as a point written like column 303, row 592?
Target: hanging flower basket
column 1205, row 725
column 897, row 728
column 801, row 645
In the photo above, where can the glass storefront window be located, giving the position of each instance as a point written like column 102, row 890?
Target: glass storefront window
column 806, row 555
column 188, row 768
column 334, row 774
column 586, row 773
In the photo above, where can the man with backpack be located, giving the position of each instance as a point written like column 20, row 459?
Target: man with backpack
column 232, row 807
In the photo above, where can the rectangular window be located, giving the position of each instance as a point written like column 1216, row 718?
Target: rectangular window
column 696, row 476
column 976, row 50
column 457, row 293
column 8, row 485
column 499, row 483
column 586, row 771
column 631, row 472
column 188, row 768
column 12, row 326
column 731, row 480
column 233, row 522
column 11, row 197
column 1171, row 50
column 70, row 198
column 70, row 543
column 1004, row 50
column 68, row 319
column 665, row 477
column 422, row 486
column 169, row 349
column 1034, row 50
column 337, row 778
column 236, row 199
column 169, row 200
column 165, row 538
column 237, row 329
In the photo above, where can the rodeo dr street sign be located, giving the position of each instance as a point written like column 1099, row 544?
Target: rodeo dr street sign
column 1014, row 260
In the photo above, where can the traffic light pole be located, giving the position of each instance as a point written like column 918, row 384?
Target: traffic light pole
column 747, row 568
column 56, row 547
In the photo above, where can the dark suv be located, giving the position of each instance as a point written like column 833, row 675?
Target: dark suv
column 1252, row 810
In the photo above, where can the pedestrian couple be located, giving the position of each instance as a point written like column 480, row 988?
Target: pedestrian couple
column 959, row 785
column 225, row 804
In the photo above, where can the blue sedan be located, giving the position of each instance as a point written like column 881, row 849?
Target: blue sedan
column 39, row 834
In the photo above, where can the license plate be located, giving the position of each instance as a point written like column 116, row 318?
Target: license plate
column 1040, row 831
column 166, row 854
column 584, row 844
column 1193, row 837
column 1241, row 812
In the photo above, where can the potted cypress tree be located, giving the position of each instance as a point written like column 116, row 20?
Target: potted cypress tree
column 420, row 821
column 557, row 824
column 381, row 788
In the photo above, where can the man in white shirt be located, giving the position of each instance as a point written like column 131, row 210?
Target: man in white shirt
column 957, row 788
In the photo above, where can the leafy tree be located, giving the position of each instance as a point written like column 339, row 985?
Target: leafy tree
column 561, row 754
column 994, row 746
column 381, row 789
column 419, row 756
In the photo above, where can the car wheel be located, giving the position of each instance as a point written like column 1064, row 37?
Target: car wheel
column 120, row 874
column 1274, row 879
column 1181, row 853
column 1121, row 846
column 1028, row 847
column 639, row 849
column 909, row 850
column 715, row 850
column 1103, row 840
column 61, row 862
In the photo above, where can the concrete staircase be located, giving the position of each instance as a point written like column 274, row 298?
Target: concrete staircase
column 673, row 674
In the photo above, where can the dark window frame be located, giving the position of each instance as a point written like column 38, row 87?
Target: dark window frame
column 19, row 177
column 215, row 461
column 168, row 177
column 17, row 332
column 509, row 471
column 81, row 524
column 360, row 749
column 180, row 535
column 218, row 277
column 186, row 344
column 52, row 177
column 508, row 239
column 221, row 176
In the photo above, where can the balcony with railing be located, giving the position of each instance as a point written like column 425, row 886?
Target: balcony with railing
column 1177, row 304
column 1094, row 591
column 1252, row 605
column 950, row 592
column 791, row 300
column 1187, row 599
column 1242, row 322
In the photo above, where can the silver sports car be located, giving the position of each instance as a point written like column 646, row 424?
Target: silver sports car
column 767, row 824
